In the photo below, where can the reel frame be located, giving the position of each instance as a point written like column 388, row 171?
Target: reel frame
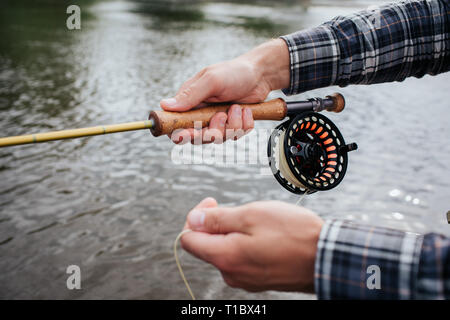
column 314, row 150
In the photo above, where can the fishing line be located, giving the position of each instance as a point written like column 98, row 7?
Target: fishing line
column 301, row 198
column 175, row 253
column 178, row 261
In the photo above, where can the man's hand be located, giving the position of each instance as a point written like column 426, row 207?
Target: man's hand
column 246, row 79
column 268, row 245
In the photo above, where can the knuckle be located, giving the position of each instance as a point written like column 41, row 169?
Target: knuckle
column 248, row 220
column 186, row 92
column 214, row 223
column 252, row 206
column 250, row 214
column 208, row 75
column 206, row 70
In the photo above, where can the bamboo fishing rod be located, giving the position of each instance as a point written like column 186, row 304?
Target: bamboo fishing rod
column 165, row 122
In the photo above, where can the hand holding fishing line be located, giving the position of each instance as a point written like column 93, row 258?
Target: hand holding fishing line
column 265, row 245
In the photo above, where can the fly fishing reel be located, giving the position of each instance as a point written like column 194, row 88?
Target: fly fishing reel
column 307, row 153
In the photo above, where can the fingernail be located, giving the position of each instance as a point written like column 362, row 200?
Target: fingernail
column 248, row 111
column 196, row 219
column 222, row 122
column 170, row 102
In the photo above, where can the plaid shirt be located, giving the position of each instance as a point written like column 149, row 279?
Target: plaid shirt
column 395, row 41
column 409, row 265
column 406, row 38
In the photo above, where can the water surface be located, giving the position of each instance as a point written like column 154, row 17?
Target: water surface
column 113, row 205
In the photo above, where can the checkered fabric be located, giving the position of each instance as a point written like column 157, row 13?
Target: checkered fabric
column 409, row 265
column 434, row 268
column 387, row 43
column 384, row 44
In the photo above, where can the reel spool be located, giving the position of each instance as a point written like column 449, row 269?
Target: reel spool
column 307, row 153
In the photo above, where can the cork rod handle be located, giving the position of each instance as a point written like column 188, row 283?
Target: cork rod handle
column 165, row 122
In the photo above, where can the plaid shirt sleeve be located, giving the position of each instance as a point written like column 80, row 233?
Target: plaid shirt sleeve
column 409, row 265
column 390, row 43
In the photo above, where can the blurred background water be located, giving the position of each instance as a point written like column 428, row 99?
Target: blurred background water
column 113, row 205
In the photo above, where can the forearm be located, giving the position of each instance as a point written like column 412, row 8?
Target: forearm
column 410, row 266
column 408, row 38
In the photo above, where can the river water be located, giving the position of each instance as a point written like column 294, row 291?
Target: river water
column 113, row 205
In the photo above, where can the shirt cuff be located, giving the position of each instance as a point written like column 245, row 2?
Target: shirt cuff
column 365, row 262
column 314, row 59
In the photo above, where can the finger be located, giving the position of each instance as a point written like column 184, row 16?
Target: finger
column 201, row 136
column 216, row 130
column 196, row 136
column 208, row 202
column 234, row 124
column 234, row 117
column 181, row 136
column 191, row 244
column 248, row 122
column 205, row 246
column 217, row 220
column 191, row 96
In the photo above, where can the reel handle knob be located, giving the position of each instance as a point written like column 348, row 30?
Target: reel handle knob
column 165, row 122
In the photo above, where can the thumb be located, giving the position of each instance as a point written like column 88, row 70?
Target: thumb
column 205, row 203
column 216, row 220
column 189, row 96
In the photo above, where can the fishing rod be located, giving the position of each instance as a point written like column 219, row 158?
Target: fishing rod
column 307, row 153
column 165, row 122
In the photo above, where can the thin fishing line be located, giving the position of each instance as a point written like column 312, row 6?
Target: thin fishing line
column 175, row 254
column 178, row 261
column 301, row 198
